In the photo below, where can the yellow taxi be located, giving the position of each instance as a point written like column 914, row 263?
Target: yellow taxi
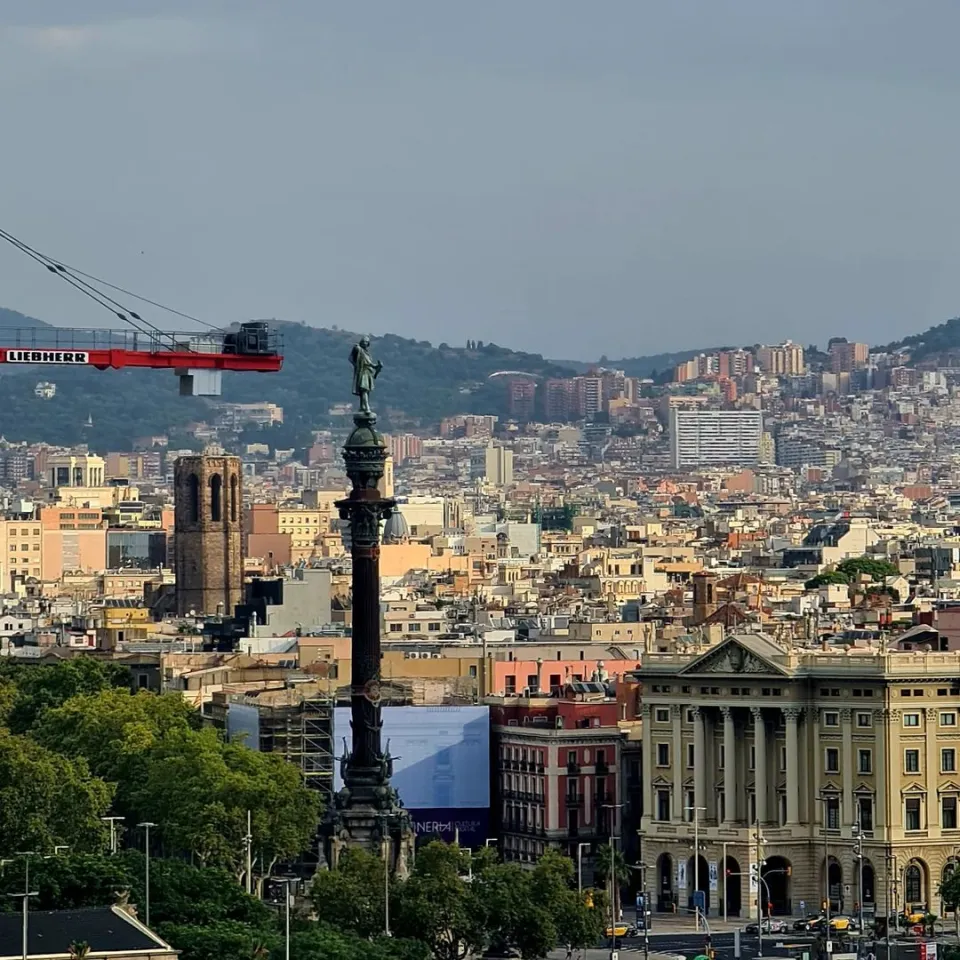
column 620, row 930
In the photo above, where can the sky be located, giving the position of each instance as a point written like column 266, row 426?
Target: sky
column 618, row 177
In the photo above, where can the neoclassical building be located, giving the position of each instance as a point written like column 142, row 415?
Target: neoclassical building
column 812, row 744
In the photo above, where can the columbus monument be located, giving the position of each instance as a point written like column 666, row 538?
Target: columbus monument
column 367, row 811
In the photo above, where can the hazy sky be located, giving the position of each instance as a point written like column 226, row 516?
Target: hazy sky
column 615, row 176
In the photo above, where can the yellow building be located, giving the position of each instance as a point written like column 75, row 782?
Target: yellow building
column 824, row 750
column 118, row 621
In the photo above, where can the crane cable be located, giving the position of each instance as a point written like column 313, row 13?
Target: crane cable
column 72, row 276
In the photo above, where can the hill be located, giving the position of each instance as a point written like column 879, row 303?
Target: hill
column 420, row 385
column 936, row 341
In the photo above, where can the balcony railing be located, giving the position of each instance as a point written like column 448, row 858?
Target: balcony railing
column 573, row 767
column 574, row 799
column 603, row 768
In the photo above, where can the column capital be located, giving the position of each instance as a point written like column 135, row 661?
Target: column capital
column 645, row 710
column 792, row 714
column 931, row 713
column 846, row 714
column 676, row 711
column 697, row 713
column 727, row 712
column 756, row 713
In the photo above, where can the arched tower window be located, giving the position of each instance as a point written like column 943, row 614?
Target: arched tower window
column 216, row 497
column 193, row 485
column 234, row 492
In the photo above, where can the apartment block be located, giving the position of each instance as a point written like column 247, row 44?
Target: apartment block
column 704, row 437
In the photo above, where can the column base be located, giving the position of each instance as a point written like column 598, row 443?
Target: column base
column 366, row 827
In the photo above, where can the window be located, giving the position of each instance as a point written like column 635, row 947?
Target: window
column 414, row 627
column 831, row 719
column 911, row 719
column 753, row 766
column 783, row 759
column 911, row 819
column 865, row 761
column 571, row 758
column 216, row 491
column 948, row 719
column 948, row 760
column 911, row 761
column 433, row 627
column 662, row 715
column 948, row 813
column 913, row 883
column 663, row 754
column 723, row 757
column 833, row 813
column 864, row 720
column 690, row 715
column 691, row 755
column 396, row 627
column 689, row 804
column 663, row 805
column 865, row 813
column 753, row 807
column 234, row 497
column 510, row 684
column 832, row 760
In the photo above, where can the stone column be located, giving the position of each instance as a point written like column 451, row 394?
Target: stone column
column 648, row 761
column 760, row 767
column 849, row 813
column 699, row 759
column 880, row 736
column 792, row 717
column 931, row 770
column 729, row 766
column 676, row 713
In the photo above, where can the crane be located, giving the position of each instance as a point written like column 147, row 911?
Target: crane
column 197, row 359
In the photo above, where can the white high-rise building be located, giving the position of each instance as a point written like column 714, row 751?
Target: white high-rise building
column 700, row 438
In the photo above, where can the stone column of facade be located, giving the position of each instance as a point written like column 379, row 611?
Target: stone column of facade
column 699, row 759
column 892, row 721
column 678, row 758
column 880, row 825
column 646, row 712
column 932, row 770
column 792, row 717
column 760, row 767
column 729, row 766
column 849, row 811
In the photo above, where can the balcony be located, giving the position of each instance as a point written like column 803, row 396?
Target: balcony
column 573, row 768
column 601, row 799
column 603, row 768
column 574, row 799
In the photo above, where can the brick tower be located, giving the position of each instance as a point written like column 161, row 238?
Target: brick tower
column 208, row 505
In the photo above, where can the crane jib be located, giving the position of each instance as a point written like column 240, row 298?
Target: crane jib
column 46, row 356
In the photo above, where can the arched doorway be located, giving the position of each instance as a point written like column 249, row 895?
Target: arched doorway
column 731, row 880
column 664, row 891
column 915, row 886
column 698, row 880
column 948, row 870
column 776, row 873
column 834, row 884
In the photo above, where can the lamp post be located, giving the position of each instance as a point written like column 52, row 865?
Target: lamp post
column 826, row 798
column 287, row 896
column 113, row 821
column 758, row 836
column 146, row 825
column 696, row 860
column 858, row 835
column 580, row 848
column 613, row 877
column 25, row 897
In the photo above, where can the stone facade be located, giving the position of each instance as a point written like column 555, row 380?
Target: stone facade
column 208, row 502
column 813, row 747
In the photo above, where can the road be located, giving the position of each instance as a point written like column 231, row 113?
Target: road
column 690, row 944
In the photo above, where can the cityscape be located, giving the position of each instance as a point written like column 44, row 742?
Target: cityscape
column 490, row 490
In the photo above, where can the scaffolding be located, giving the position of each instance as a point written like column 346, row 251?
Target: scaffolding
column 297, row 724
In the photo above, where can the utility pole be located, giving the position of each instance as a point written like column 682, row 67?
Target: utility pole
column 613, row 877
column 146, row 865
column 758, row 836
column 248, row 849
column 826, row 869
column 696, row 860
column 287, row 882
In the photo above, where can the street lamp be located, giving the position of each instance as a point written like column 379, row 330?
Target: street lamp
column 146, row 825
column 826, row 798
column 25, row 897
column 287, row 895
column 858, row 837
column 613, row 878
column 580, row 849
column 113, row 821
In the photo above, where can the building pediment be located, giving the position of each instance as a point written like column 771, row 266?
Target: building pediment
column 737, row 656
column 950, row 787
column 661, row 782
column 864, row 789
column 915, row 788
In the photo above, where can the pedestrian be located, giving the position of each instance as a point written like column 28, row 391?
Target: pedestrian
column 569, row 951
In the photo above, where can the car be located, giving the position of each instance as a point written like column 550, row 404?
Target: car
column 807, row 923
column 770, row 925
column 620, row 930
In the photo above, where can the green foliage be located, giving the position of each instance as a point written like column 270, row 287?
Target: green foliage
column 46, row 686
column 825, row 579
column 351, row 897
column 71, row 881
column 856, row 567
column 47, row 799
column 950, row 890
column 437, row 906
column 223, row 940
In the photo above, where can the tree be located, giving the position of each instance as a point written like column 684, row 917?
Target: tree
column 222, row 940
column 824, row 579
column 351, row 897
column 877, row 570
column 79, row 949
column 48, row 800
column 44, row 687
column 435, row 904
column 950, row 895
column 73, row 881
